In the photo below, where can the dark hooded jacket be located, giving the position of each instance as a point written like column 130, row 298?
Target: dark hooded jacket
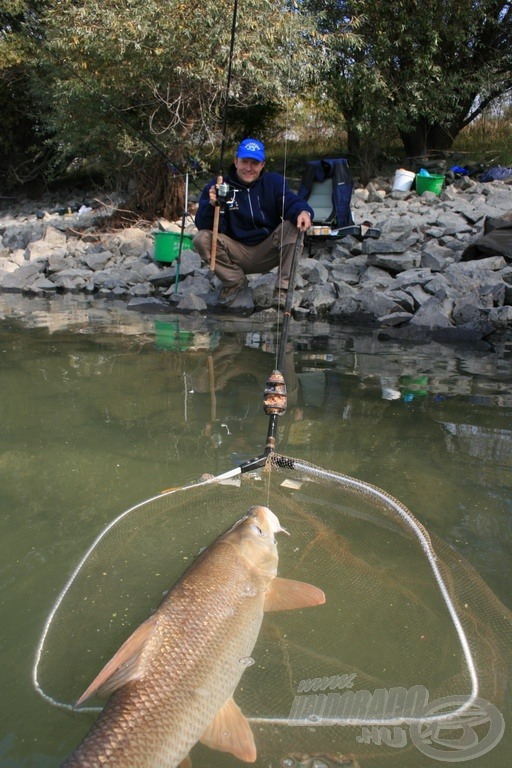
column 252, row 211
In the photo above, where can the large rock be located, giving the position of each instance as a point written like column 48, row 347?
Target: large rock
column 132, row 241
column 385, row 246
column 22, row 279
column 395, row 263
column 434, row 313
column 410, row 280
column 18, row 236
column 190, row 302
column 318, row 298
column 97, row 261
column 436, row 257
column 373, row 303
column 375, row 277
column 54, row 237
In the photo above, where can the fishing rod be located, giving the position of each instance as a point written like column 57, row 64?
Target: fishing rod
column 275, row 394
column 184, row 215
column 223, row 189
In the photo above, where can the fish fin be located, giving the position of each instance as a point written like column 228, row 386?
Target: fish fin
column 286, row 594
column 230, row 731
column 123, row 666
column 186, row 762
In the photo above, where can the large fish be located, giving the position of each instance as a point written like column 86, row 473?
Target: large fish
column 173, row 680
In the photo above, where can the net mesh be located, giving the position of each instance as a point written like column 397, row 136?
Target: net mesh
column 406, row 621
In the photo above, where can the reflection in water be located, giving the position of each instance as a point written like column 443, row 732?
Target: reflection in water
column 102, row 408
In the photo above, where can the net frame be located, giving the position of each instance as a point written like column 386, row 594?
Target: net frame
column 273, row 463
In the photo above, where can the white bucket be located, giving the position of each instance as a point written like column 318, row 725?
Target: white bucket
column 403, row 180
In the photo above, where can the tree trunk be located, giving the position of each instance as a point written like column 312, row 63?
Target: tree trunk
column 366, row 152
column 425, row 136
column 159, row 192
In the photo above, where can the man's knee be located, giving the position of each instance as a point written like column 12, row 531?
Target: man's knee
column 286, row 233
column 203, row 242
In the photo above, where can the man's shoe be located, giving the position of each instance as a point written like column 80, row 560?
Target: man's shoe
column 279, row 298
column 229, row 293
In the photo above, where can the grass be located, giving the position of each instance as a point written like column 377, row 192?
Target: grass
column 290, row 157
column 489, row 139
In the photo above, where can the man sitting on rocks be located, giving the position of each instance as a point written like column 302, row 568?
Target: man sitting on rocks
column 258, row 226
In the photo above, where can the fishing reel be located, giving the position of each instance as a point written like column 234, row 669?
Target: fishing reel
column 223, row 191
column 225, row 194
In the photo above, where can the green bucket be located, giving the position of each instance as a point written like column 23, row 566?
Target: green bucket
column 433, row 183
column 167, row 245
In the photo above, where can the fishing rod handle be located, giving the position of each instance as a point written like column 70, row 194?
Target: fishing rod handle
column 215, row 232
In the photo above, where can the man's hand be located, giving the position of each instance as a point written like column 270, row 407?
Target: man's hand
column 304, row 221
column 213, row 194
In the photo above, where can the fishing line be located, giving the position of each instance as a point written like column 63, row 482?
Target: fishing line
column 285, row 172
column 228, row 87
column 223, row 189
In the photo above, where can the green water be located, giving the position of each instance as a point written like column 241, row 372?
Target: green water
column 102, row 408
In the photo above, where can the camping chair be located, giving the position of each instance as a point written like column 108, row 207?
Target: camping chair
column 327, row 185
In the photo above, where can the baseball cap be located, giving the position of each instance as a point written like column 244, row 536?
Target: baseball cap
column 251, row 148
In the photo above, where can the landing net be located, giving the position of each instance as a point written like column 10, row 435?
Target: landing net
column 406, row 623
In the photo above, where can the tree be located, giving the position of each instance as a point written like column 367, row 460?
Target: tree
column 22, row 153
column 422, row 69
column 127, row 85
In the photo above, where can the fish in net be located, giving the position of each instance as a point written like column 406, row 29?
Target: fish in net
column 407, row 663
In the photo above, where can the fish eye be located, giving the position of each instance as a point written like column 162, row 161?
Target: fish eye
column 257, row 529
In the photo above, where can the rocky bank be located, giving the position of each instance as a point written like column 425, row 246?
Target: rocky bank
column 411, row 281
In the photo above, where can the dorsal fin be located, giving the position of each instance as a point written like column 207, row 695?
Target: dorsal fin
column 286, row 595
column 123, row 666
column 230, row 731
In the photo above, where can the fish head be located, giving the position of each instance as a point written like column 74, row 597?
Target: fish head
column 253, row 537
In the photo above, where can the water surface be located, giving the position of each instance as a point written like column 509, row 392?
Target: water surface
column 102, row 408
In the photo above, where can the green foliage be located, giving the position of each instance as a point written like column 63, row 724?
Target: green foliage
column 21, row 151
column 159, row 68
column 422, row 69
column 489, row 137
column 118, row 80
column 120, row 85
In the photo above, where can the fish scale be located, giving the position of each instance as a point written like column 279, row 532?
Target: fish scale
column 173, row 714
column 179, row 670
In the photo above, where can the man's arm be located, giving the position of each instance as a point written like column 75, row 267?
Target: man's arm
column 297, row 210
column 205, row 209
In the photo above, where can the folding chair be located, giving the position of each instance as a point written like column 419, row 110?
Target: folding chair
column 327, row 185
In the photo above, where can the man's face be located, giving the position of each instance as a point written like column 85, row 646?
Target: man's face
column 248, row 169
